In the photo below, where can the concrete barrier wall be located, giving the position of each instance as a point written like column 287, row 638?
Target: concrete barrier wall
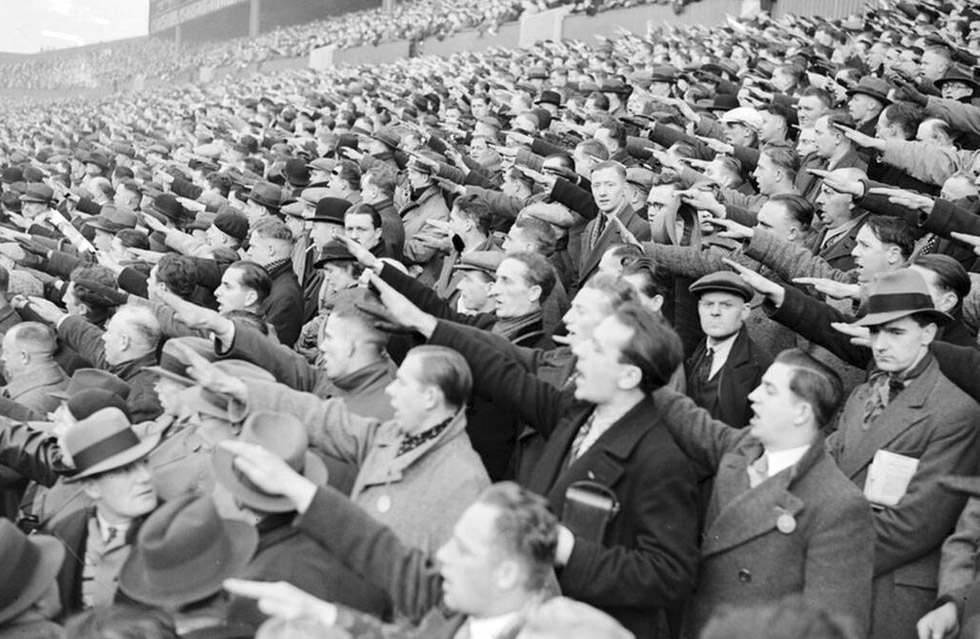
column 384, row 53
column 284, row 64
column 507, row 36
column 825, row 8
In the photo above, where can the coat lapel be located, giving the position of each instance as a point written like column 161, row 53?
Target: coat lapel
column 745, row 513
column 900, row 415
column 610, row 235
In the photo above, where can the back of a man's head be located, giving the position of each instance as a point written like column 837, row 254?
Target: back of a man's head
column 813, row 382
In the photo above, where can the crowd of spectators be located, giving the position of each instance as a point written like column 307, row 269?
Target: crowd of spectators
column 113, row 64
column 670, row 335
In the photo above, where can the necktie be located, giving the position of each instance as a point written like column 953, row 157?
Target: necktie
column 579, row 441
column 600, row 226
column 883, row 389
column 703, row 371
column 111, row 533
column 758, row 471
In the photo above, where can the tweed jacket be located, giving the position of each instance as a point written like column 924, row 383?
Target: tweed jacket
column 430, row 206
column 739, row 375
column 934, row 422
column 837, row 254
column 646, row 559
column 33, row 388
column 746, row 558
column 791, row 260
column 419, row 494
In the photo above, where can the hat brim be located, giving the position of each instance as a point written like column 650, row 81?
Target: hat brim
column 52, row 555
column 188, row 586
column 107, row 227
column 26, row 198
column 172, row 376
column 877, row 319
column 881, row 97
column 224, row 471
column 118, row 460
column 698, row 291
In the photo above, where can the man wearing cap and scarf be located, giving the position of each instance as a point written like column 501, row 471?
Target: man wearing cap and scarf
column 727, row 364
column 902, row 430
column 110, row 463
column 29, row 590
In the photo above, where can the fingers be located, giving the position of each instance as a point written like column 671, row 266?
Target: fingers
column 966, row 238
column 741, row 270
column 253, row 589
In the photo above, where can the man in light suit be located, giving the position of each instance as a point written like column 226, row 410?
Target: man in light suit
column 782, row 519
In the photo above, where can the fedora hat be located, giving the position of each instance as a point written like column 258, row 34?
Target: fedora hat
column 30, row 565
column 38, row 192
column 200, row 400
column 956, row 74
column 549, row 97
column 87, row 378
column 267, row 194
column 874, row 87
column 184, row 552
column 173, row 361
column 723, row 281
column 113, row 219
column 166, row 207
column 283, row 435
column 334, row 251
column 898, row 294
column 104, row 441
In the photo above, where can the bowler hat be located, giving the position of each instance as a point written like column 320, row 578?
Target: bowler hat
column 874, row 87
column 281, row 434
column 722, row 281
column 38, row 192
column 105, row 441
column 897, row 294
column 86, row 378
column 266, row 194
column 296, row 172
column 113, row 219
column 184, row 552
column 330, row 209
column 30, row 565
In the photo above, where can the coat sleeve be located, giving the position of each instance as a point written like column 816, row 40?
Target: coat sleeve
column 702, row 438
column 32, row 453
column 811, row 318
column 927, row 512
column 660, row 567
column 408, row 575
column 960, row 364
column 285, row 364
column 85, row 339
column 791, row 260
column 574, row 197
column 330, row 426
column 839, row 563
column 687, row 261
column 427, row 299
column 958, row 566
column 501, row 205
column 504, row 381
column 924, row 161
column 964, row 117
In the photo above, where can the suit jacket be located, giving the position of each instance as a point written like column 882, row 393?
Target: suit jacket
column 646, row 559
column 933, row 421
column 611, row 236
column 838, row 253
column 284, row 306
column 746, row 558
column 737, row 377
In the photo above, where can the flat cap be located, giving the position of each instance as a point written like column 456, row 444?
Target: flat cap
column 722, row 281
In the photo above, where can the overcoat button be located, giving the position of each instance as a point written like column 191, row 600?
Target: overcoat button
column 744, row 576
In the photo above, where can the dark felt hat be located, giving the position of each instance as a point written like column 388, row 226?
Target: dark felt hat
column 38, row 192
column 898, row 294
column 105, row 441
column 30, row 566
column 872, row 86
column 330, row 209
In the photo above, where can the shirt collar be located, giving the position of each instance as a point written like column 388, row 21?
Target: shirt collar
column 104, row 526
column 492, row 627
column 721, row 348
column 780, row 460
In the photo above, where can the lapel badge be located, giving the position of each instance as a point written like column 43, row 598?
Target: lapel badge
column 384, row 503
column 785, row 523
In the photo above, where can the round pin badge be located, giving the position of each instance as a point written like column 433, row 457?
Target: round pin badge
column 384, row 503
column 785, row 523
